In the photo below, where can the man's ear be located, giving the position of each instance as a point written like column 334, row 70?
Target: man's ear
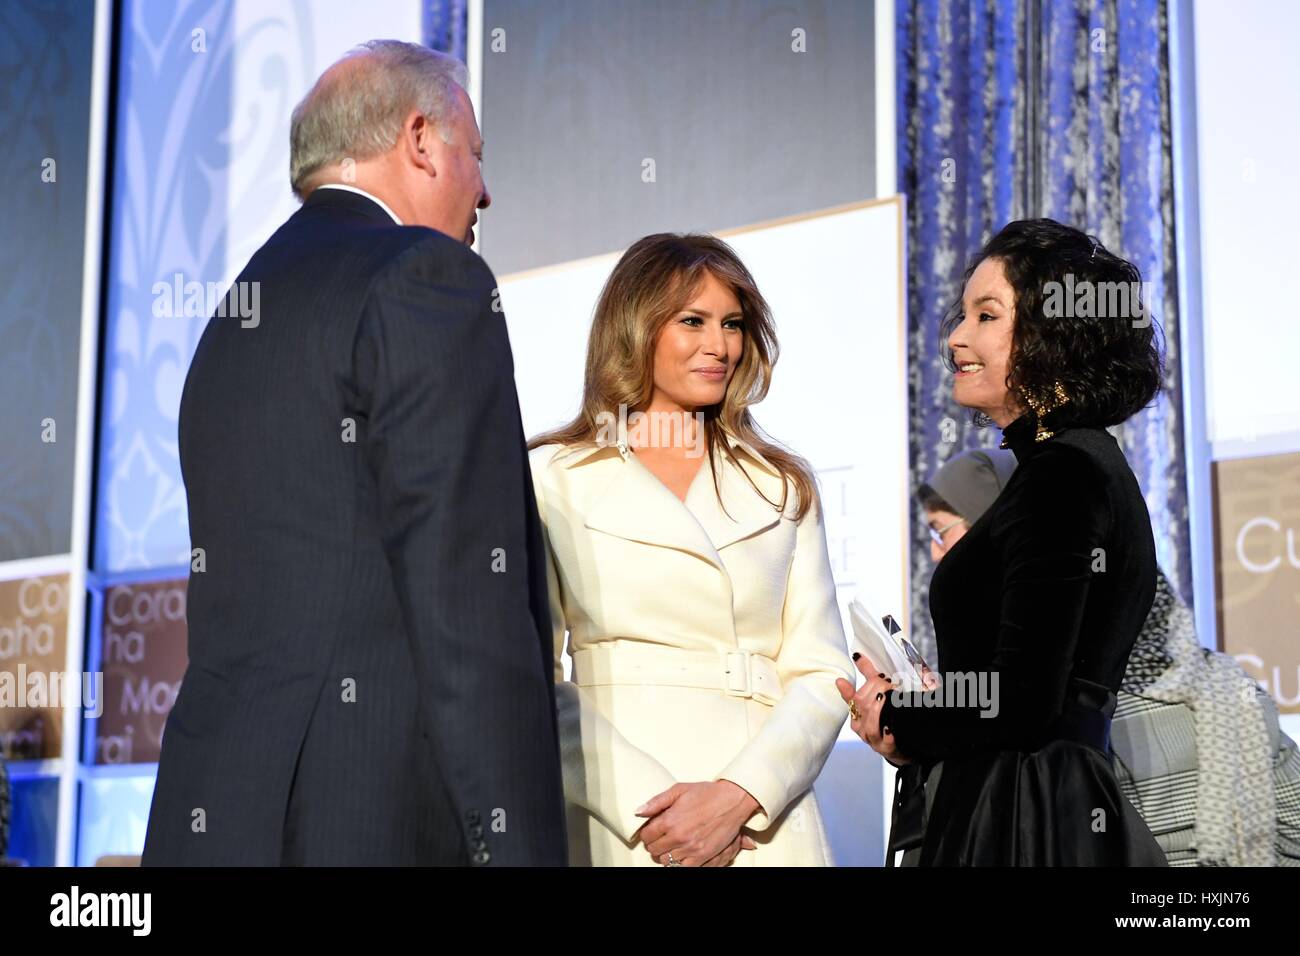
column 417, row 134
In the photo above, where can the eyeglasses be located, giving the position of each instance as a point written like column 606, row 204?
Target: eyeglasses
column 936, row 534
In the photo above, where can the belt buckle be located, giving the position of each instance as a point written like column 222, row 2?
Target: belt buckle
column 736, row 678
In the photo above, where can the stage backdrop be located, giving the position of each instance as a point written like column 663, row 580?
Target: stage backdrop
column 1243, row 103
column 53, row 81
column 194, row 171
column 605, row 120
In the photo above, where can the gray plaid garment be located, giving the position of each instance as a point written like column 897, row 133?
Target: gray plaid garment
column 1198, row 751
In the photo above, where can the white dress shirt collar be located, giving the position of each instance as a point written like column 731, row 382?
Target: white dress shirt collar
column 361, row 192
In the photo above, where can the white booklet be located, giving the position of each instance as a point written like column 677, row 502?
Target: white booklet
column 882, row 641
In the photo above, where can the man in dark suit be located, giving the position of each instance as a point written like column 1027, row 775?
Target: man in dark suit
column 369, row 639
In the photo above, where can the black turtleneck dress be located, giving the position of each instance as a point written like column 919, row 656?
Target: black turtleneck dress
column 1048, row 589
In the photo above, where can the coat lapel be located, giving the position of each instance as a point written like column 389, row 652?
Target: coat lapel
column 746, row 514
column 639, row 507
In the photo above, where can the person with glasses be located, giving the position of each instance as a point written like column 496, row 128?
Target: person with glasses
column 960, row 492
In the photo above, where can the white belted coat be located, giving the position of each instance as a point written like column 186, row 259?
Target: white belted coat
column 703, row 647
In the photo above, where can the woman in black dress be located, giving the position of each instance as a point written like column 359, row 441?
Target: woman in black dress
column 1037, row 606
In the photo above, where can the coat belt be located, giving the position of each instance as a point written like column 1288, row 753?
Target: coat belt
column 736, row 673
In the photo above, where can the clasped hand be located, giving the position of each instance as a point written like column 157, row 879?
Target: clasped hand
column 699, row 824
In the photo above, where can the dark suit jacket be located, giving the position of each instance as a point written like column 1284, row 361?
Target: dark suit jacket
column 370, row 660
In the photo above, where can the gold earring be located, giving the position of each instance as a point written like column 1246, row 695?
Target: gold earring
column 1041, row 408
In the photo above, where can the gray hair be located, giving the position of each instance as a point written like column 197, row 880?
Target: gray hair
column 357, row 107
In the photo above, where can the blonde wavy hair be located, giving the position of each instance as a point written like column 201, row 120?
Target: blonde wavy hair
column 654, row 281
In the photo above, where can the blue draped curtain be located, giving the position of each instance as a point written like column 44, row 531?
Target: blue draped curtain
column 445, row 24
column 1012, row 109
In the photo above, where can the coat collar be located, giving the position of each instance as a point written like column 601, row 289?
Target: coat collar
column 580, row 454
column 637, row 506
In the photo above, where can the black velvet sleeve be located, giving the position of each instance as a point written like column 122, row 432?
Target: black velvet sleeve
column 1048, row 525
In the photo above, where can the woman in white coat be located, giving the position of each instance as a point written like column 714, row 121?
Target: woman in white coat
column 687, row 562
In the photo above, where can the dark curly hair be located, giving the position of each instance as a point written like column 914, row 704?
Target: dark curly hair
column 1109, row 360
